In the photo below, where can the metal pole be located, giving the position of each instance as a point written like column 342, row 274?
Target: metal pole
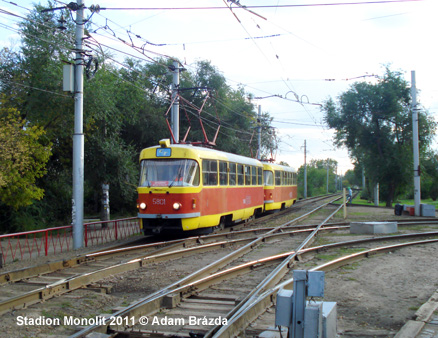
column 305, row 170
column 175, row 106
column 259, row 133
column 417, row 188
column 363, row 179
column 376, row 195
column 296, row 330
column 78, row 136
column 327, row 176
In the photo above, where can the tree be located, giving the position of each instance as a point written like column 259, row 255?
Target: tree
column 429, row 175
column 22, row 159
column 123, row 113
column 374, row 123
column 317, row 177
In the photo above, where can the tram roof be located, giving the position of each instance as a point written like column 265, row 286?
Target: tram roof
column 274, row 166
column 196, row 152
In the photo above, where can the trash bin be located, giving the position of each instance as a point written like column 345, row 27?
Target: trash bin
column 398, row 209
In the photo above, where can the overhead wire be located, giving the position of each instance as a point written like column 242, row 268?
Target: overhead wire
column 151, row 58
column 377, row 2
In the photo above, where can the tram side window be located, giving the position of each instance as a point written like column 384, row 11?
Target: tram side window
column 209, row 172
column 232, row 173
column 223, row 173
column 294, row 178
column 254, row 175
column 277, row 177
column 247, row 175
column 240, row 174
column 268, row 177
column 259, row 175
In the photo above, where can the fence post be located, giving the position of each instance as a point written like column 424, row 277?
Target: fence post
column 46, row 244
column 86, row 234
column 115, row 229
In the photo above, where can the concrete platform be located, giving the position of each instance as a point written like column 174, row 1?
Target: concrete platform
column 373, row 227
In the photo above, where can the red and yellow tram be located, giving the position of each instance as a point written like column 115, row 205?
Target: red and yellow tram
column 280, row 186
column 185, row 188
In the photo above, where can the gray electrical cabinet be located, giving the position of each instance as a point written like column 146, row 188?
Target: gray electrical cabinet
column 283, row 308
column 306, row 319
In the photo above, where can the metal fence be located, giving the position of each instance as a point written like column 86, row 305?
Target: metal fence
column 30, row 244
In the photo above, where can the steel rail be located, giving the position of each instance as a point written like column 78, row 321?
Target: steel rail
column 144, row 306
column 37, row 270
column 266, row 299
column 17, row 275
column 273, row 278
column 60, row 287
column 72, row 283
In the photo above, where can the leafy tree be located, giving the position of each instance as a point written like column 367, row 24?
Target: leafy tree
column 429, row 175
column 373, row 122
column 22, row 159
column 317, row 177
column 123, row 113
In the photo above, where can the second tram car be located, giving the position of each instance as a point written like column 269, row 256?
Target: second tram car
column 184, row 188
column 280, row 186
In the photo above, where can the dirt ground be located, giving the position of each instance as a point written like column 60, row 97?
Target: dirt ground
column 375, row 296
column 378, row 295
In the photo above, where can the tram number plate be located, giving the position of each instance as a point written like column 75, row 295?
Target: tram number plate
column 158, row 201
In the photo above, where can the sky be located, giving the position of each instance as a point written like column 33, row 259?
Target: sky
column 289, row 56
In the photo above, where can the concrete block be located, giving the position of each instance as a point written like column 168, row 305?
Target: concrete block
column 313, row 320
column 373, row 227
column 427, row 210
column 170, row 301
column 329, row 319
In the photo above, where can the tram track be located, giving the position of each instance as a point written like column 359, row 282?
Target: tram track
column 258, row 297
column 176, row 290
column 46, row 268
column 50, row 280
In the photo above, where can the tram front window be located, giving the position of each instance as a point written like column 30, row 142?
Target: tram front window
column 268, row 177
column 169, row 173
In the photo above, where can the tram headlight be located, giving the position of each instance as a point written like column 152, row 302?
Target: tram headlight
column 142, row 206
column 177, row 206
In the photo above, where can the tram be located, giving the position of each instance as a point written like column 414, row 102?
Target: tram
column 184, row 188
column 280, row 186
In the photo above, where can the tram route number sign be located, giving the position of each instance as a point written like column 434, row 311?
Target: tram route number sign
column 163, row 152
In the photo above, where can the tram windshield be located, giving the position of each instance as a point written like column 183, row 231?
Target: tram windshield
column 169, row 173
column 268, row 177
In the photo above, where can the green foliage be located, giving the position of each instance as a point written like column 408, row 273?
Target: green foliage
column 124, row 112
column 429, row 175
column 317, row 177
column 374, row 123
column 22, row 159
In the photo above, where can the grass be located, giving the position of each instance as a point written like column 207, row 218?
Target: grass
column 359, row 201
column 338, row 253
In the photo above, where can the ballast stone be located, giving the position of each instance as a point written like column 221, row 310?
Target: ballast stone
column 373, row 227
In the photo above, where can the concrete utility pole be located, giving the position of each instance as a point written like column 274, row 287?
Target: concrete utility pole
column 417, row 187
column 259, row 134
column 78, row 136
column 327, row 176
column 175, row 100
